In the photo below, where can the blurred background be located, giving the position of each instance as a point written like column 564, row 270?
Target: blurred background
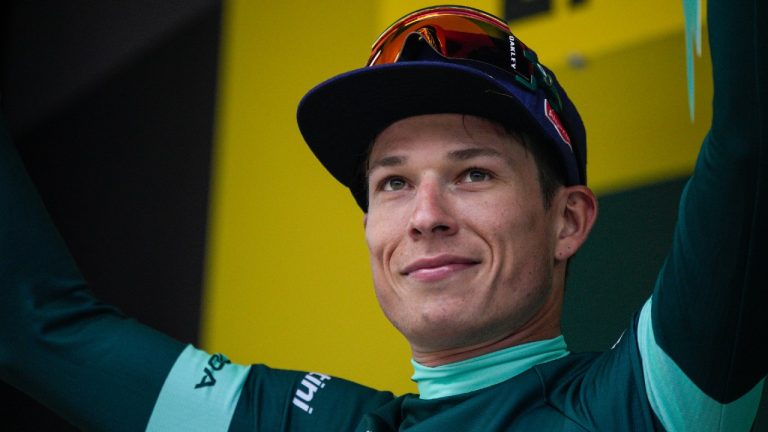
column 162, row 138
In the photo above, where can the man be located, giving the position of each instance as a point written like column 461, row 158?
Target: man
column 468, row 160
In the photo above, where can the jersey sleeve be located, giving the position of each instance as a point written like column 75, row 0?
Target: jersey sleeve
column 206, row 392
column 93, row 366
column 702, row 332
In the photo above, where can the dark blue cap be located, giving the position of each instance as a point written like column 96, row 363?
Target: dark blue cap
column 340, row 117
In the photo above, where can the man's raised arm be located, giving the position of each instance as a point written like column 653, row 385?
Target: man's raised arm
column 703, row 332
column 85, row 360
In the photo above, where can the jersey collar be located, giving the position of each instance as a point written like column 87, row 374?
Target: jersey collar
column 486, row 370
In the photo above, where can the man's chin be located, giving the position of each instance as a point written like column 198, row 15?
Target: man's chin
column 444, row 336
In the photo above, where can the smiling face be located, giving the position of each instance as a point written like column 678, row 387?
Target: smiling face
column 462, row 249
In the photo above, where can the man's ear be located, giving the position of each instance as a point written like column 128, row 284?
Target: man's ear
column 577, row 211
column 365, row 220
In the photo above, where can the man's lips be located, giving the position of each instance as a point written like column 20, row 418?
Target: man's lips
column 438, row 267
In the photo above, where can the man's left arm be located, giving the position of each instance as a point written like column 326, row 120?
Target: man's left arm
column 703, row 332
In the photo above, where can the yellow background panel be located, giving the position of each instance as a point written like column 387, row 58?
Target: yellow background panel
column 287, row 275
column 635, row 105
column 287, row 278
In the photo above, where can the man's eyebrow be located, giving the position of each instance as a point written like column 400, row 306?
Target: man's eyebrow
column 456, row 155
column 387, row 161
column 470, row 153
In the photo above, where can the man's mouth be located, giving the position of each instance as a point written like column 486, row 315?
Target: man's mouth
column 438, row 267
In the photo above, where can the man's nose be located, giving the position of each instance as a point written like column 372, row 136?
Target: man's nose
column 432, row 215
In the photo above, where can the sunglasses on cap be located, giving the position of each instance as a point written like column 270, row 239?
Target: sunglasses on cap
column 464, row 33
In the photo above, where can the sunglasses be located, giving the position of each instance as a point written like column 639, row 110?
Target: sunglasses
column 463, row 33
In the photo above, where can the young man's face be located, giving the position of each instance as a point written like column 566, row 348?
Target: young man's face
column 462, row 249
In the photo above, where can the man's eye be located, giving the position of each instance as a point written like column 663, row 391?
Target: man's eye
column 476, row 175
column 393, row 184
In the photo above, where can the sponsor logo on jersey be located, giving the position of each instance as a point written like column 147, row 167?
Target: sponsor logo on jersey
column 309, row 386
column 215, row 364
column 555, row 120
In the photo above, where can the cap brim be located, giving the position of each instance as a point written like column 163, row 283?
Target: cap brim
column 340, row 118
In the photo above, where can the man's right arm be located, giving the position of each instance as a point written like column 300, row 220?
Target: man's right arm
column 104, row 371
column 84, row 359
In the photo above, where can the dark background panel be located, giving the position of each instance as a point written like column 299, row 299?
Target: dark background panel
column 111, row 105
column 614, row 272
column 516, row 9
column 55, row 50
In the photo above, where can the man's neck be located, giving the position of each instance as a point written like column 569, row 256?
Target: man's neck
column 442, row 357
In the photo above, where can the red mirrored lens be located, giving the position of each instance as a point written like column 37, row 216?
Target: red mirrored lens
column 457, row 33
